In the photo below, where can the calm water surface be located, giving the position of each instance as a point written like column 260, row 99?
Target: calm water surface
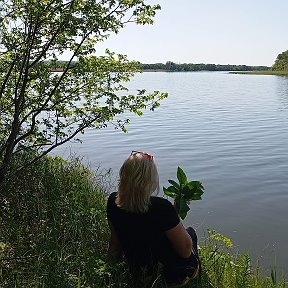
column 230, row 132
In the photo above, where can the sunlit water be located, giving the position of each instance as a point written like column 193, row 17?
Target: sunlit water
column 230, row 132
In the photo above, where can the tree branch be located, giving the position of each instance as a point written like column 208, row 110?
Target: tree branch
column 23, row 148
column 7, row 77
column 18, row 100
column 50, row 95
column 81, row 128
column 38, row 111
column 48, row 44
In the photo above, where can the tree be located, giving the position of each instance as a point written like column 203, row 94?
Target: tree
column 41, row 110
column 281, row 63
column 170, row 66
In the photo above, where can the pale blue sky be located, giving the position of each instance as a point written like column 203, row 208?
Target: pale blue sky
column 251, row 32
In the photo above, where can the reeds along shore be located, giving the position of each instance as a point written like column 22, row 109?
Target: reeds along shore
column 264, row 72
column 54, row 233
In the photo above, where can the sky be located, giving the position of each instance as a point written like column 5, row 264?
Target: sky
column 248, row 32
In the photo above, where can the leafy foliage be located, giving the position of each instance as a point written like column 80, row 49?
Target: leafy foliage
column 54, row 229
column 281, row 63
column 176, row 67
column 221, row 265
column 42, row 110
column 183, row 192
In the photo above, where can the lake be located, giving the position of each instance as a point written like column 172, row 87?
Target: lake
column 229, row 131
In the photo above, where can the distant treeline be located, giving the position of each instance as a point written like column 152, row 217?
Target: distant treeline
column 59, row 65
column 171, row 66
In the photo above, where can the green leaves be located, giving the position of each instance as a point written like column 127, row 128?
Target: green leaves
column 54, row 100
column 175, row 184
column 281, row 63
column 181, row 176
column 217, row 237
column 181, row 206
column 183, row 192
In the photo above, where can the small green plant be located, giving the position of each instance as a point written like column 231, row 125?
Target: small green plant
column 183, row 192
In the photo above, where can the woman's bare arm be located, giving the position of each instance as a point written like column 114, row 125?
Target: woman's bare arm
column 180, row 240
column 114, row 248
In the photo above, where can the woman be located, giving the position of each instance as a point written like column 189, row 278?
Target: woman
column 147, row 228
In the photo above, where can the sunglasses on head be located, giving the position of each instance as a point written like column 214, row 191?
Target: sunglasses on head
column 146, row 155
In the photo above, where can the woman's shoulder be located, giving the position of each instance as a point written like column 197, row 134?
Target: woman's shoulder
column 111, row 198
column 160, row 202
column 112, row 195
column 164, row 213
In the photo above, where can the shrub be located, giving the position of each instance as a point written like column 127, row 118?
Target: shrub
column 53, row 225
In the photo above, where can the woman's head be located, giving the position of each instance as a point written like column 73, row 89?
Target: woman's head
column 138, row 180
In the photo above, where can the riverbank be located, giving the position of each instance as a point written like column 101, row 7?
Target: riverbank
column 55, row 234
column 262, row 72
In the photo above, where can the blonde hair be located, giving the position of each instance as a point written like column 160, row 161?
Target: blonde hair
column 138, row 180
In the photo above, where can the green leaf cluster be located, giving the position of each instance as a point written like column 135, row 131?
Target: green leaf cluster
column 40, row 109
column 217, row 237
column 281, row 63
column 183, row 192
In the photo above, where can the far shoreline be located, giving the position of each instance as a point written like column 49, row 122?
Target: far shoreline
column 261, row 72
column 256, row 72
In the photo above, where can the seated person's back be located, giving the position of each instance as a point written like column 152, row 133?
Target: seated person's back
column 147, row 228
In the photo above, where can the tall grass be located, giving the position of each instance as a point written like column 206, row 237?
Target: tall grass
column 224, row 268
column 54, row 233
column 53, row 226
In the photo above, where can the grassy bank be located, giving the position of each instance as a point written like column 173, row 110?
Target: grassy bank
column 263, row 72
column 54, row 234
column 54, row 228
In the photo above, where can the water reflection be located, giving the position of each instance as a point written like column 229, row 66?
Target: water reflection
column 282, row 91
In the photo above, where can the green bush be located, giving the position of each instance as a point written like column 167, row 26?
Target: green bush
column 53, row 225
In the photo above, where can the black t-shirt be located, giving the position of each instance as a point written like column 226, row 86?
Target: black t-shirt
column 142, row 236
